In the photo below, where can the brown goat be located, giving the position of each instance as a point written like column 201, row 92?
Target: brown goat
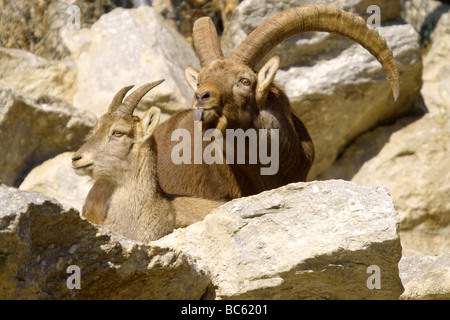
column 120, row 156
column 229, row 94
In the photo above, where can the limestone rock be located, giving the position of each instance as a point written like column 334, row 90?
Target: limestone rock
column 33, row 131
column 302, row 241
column 34, row 76
column 125, row 47
column 335, row 86
column 410, row 158
column 56, row 178
column 424, row 15
column 436, row 76
column 425, row 277
column 39, row 240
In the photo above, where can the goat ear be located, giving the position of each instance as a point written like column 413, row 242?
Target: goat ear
column 149, row 122
column 265, row 78
column 191, row 75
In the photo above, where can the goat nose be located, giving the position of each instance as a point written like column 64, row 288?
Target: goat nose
column 76, row 157
column 202, row 96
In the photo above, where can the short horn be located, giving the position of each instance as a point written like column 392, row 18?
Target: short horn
column 117, row 100
column 307, row 18
column 130, row 103
column 206, row 41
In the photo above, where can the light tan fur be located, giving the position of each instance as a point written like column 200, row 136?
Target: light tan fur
column 126, row 197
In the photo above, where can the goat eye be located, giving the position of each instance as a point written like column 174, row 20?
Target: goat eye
column 118, row 133
column 245, row 81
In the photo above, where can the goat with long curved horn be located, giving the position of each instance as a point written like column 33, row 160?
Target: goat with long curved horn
column 231, row 94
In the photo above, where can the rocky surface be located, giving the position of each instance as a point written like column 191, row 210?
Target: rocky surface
column 35, row 130
column 410, row 158
column 56, row 178
column 34, row 76
column 426, row 277
column 302, row 241
column 40, row 239
column 436, row 77
column 105, row 62
column 258, row 247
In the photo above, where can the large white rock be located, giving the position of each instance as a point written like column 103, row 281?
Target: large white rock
column 411, row 159
column 425, row 277
column 130, row 46
column 301, row 241
column 34, row 130
column 34, row 76
column 321, row 240
column 335, row 86
column 436, row 75
column 39, row 240
column 56, row 178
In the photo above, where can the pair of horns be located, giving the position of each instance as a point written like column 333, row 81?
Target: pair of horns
column 292, row 22
column 130, row 103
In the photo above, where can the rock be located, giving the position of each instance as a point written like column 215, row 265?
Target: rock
column 423, row 15
column 34, row 76
column 33, row 131
column 317, row 240
column 312, row 240
column 436, row 75
column 425, row 277
column 39, row 240
column 124, row 47
column 56, row 178
column 410, row 158
column 335, row 86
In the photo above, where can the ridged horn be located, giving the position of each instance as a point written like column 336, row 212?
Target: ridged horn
column 117, row 100
column 206, row 41
column 307, row 18
column 130, row 103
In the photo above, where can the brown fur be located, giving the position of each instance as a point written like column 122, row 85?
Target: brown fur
column 239, row 105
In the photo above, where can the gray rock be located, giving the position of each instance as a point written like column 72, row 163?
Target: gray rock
column 341, row 98
column 302, row 241
column 410, row 158
column 40, row 240
column 34, row 76
column 423, row 15
column 436, row 75
column 425, row 277
column 56, row 178
column 125, row 47
column 34, row 131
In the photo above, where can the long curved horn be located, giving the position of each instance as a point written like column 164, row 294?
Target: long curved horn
column 130, row 103
column 206, row 41
column 117, row 100
column 316, row 18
